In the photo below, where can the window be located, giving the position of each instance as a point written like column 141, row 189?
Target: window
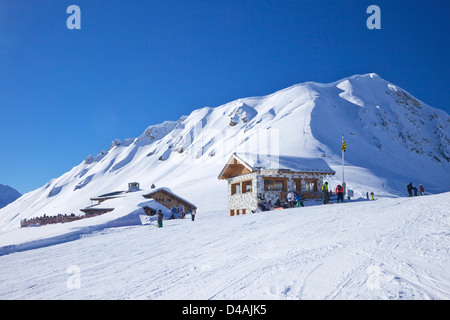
column 274, row 184
column 311, row 185
column 246, row 186
column 297, row 184
column 231, row 213
column 235, row 188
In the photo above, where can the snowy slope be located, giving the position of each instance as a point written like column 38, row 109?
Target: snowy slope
column 392, row 139
column 383, row 249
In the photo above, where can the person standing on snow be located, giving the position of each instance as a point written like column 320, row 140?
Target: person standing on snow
column 298, row 199
column 326, row 196
column 410, row 188
column 290, row 199
column 160, row 218
column 340, row 193
column 193, row 215
column 421, row 189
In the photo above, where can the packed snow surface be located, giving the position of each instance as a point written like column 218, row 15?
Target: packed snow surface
column 389, row 248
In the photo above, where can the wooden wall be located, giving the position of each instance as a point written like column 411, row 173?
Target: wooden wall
column 169, row 201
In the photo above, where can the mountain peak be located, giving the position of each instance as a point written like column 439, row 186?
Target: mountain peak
column 391, row 138
column 7, row 195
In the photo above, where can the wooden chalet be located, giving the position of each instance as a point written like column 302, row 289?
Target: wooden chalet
column 169, row 199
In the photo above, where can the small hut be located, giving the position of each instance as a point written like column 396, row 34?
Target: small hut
column 169, row 199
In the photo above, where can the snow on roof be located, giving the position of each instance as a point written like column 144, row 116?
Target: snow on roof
column 171, row 193
column 110, row 194
column 283, row 162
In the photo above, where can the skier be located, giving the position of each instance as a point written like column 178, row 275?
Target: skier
column 290, row 199
column 173, row 211
column 298, row 200
column 340, row 193
column 372, row 194
column 160, row 218
column 421, row 189
column 326, row 197
column 193, row 215
column 410, row 188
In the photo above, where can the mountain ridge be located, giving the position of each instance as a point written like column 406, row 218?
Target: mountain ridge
column 392, row 138
column 7, row 195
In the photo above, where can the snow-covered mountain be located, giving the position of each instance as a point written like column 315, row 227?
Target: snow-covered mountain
column 392, row 137
column 8, row 195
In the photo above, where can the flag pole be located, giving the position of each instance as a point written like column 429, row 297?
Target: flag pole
column 343, row 177
column 343, row 159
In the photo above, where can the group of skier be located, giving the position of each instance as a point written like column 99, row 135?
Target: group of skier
column 293, row 200
column 326, row 193
column 160, row 216
column 296, row 200
column 412, row 191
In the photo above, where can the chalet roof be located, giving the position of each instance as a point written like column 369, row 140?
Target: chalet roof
column 96, row 207
column 111, row 194
column 167, row 190
column 251, row 162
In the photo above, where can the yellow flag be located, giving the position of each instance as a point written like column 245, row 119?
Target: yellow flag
column 344, row 145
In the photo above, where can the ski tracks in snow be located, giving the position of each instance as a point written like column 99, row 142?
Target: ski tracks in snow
column 387, row 249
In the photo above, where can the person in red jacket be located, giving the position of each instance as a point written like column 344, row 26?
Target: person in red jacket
column 340, row 193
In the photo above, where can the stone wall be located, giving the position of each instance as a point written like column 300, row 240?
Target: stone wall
column 249, row 200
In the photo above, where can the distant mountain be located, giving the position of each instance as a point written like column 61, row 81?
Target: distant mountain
column 7, row 195
column 392, row 138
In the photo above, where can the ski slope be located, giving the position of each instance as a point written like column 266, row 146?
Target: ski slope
column 390, row 248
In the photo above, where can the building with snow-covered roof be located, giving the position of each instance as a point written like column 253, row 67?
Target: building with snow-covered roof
column 251, row 176
column 150, row 201
column 133, row 186
column 167, row 198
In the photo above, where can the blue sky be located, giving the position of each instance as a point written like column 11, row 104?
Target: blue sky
column 65, row 93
